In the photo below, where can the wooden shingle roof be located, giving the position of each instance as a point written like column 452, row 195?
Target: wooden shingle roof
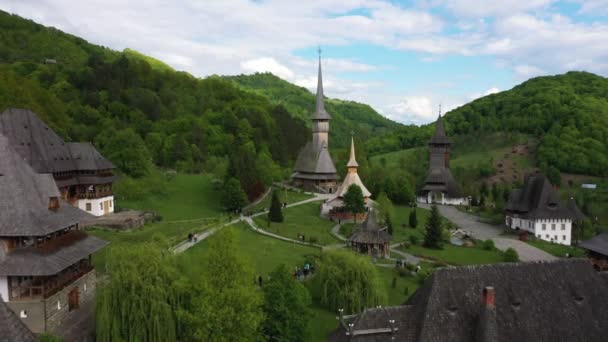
column 24, row 199
column 561, row 300
column 11, row 327
column 538, row 200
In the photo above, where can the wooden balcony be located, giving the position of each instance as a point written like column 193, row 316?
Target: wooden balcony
column 38, row 288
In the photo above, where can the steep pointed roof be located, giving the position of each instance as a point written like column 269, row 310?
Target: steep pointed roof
column 352, row 162
column 538, row 200
column 11, row 327
column 320, row 112
column 313, row 164
column 24, row 199
column 439, row 137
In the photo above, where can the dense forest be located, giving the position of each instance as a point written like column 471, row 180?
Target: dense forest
column 347, row 116
column 568, row 114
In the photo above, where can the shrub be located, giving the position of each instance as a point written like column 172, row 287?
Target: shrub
column 421, row 276
column 414, row 239
column 488, row 245
column 511, row 255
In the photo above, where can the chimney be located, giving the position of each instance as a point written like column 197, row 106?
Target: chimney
column 53, row 203
column 489, row 298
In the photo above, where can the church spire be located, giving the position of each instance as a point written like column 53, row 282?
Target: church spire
column 320, row 112
column 352, row 162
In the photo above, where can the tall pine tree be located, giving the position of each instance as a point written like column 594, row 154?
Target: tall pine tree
column 432, row 237
column 275, row 214
column 413, row 218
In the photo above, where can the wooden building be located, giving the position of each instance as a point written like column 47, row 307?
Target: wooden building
column 439, row 185
column 536, row 208
column 371, row 239
column 334, row 207
column 315, row 170
column 83, row 176
column 560, row 300
column 597, row 251
column 45, row 258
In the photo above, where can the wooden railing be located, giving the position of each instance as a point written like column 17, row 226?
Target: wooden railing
column 44, row 288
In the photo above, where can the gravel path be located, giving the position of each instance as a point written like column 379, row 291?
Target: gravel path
column 484, row 231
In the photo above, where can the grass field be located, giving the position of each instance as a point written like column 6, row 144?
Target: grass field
column 401, row 229
column 302, row 219
column 556, row 249
column 288, row 196
column 456, row 255
column 188, row 197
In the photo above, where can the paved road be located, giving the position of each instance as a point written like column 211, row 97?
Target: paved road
column 484, row 231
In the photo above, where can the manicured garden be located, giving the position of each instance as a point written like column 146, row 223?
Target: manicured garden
column 301, row 220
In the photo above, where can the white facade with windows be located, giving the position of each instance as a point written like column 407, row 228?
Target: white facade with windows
column 552, row 230
column 441, row 198
column 97, row 206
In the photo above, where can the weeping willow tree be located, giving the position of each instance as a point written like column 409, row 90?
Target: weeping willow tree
column 139, row 301
column 225, row 303
column 348, row 281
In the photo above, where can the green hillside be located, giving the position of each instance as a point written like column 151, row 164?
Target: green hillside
column 347, row 116
column 568, row 114
column 169, row 119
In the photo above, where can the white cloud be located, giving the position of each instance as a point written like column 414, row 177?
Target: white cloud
column 416, row 109
column 267, row 64
column 490, row 91
column 485, row 8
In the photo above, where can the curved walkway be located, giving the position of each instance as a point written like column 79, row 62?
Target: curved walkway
column 484, row 231
column 186, row 244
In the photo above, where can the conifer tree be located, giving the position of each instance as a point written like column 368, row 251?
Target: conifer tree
column 233, row 197
column 354, row 201
column 432, row 237
column 275, row 214
column 413, row 218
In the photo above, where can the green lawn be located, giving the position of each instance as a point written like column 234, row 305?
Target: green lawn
column 302, row 219
column 401, row 228
column 396, row 295
column 556, row 249
column 172, row 233
column 457, row 255
column 188, row 197
column 265, row 253
column 288, row 196
column 395, row 159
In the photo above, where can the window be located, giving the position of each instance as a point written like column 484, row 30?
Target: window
column 88, row 206
column 563, row 226
column 544, row 227
column 100, row 206
column 552, row 226
column 111, row 203
column 564, row 237
column 58, row 305
column 547, row 236
column 23, row 314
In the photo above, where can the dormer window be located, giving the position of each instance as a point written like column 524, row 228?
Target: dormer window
column 53, row 203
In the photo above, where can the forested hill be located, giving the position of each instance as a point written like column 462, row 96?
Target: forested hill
column 568, row 114
column 140, row 112
column 347, row 116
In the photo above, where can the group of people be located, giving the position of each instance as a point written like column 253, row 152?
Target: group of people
column 302, row 273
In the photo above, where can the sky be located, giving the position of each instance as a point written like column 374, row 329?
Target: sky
column 404, row 58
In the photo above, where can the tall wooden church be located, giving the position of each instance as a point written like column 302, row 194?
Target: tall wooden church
column 440, row 186
column 315, row 170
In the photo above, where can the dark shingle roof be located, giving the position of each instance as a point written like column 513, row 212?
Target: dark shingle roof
column 320, row 112
column 24, row 199
column 598, row 244
column 441, row 179
column 370, row 231
column 313, row 163
column 43, row 149
column 562, row 300
column 538, row 200
column 11, row 327
column 439, row 137
column 51, row 257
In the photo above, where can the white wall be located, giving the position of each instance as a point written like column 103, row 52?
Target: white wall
column 4, row 288
column 97, row 205
column 557, row 235
column 444, row 200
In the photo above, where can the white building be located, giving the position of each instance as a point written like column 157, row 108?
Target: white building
column 537, row 209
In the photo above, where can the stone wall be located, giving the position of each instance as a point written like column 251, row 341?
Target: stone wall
column 57, row 306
